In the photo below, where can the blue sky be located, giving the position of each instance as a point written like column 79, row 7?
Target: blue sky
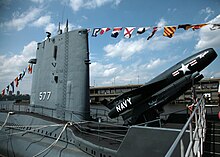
column 118, row 61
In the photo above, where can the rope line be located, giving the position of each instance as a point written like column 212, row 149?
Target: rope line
column 54, row 143
column 6, row 119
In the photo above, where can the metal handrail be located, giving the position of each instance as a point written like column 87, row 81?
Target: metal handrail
column 81, row 129
column 149, row 122
column 197, row 136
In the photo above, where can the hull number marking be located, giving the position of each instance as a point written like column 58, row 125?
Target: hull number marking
column 44, row 96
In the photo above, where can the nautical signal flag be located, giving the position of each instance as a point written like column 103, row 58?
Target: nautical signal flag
column 215, row 27
column 12, row 86
column 153, row 32
column 3, row 92
column 7, row 89
column 169, row 31
column 18, row 78
column 24, row 71
column 141, row 30
column 185, row 26
column 103, row 30
column 116, row 32
column 198, row 26
column 16, row 81
column 128, row 31
column 95, row 32
column 30, row 69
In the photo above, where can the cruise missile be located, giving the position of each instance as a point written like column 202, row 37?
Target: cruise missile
column 161, row 98
column 184, row 71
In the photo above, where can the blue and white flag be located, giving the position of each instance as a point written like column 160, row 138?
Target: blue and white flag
column 95, row 32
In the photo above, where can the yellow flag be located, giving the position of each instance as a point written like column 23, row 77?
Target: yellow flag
column 169, row 31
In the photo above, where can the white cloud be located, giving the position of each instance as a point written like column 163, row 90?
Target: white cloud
column 12, row 66
column 85, row 17
column 154, row 63
column 208, row 38
column 51, row 27
column 125, row 48
column 103, row 70
column 42, row 21
column 38, row 1
column 161, row 23
column 21, row 20
column 160, row 42
column 76, row 5
column 111, row 74
column 172, row 10
column 208, row 12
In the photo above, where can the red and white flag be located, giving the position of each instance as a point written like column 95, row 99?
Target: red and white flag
column 128, row 31
column 103, row 30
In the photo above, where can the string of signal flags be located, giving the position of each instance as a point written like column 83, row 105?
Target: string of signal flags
column 168, row 30
column 15, row 82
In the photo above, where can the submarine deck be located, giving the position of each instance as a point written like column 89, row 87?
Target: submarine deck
column 101, row 134
column 110, row 135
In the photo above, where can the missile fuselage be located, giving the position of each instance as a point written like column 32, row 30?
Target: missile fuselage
column 145, row 95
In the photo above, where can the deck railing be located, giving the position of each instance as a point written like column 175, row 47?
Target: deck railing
column 197, row 129
column 95, row 113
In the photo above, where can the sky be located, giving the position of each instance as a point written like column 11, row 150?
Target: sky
column 114, row 61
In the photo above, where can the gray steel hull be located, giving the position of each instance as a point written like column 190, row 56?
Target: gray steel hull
column 26, row 142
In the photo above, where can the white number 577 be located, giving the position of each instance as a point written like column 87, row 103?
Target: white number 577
column 44, row 95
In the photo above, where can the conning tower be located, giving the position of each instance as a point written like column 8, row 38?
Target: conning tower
column 60, row 86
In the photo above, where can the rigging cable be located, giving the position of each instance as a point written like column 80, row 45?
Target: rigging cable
column 54, row 143
column 6, row 120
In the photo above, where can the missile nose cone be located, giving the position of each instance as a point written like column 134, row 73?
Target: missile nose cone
column 205, row 57
column 211, row 54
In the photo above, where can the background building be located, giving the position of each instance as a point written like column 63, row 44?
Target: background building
column 209, row 87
